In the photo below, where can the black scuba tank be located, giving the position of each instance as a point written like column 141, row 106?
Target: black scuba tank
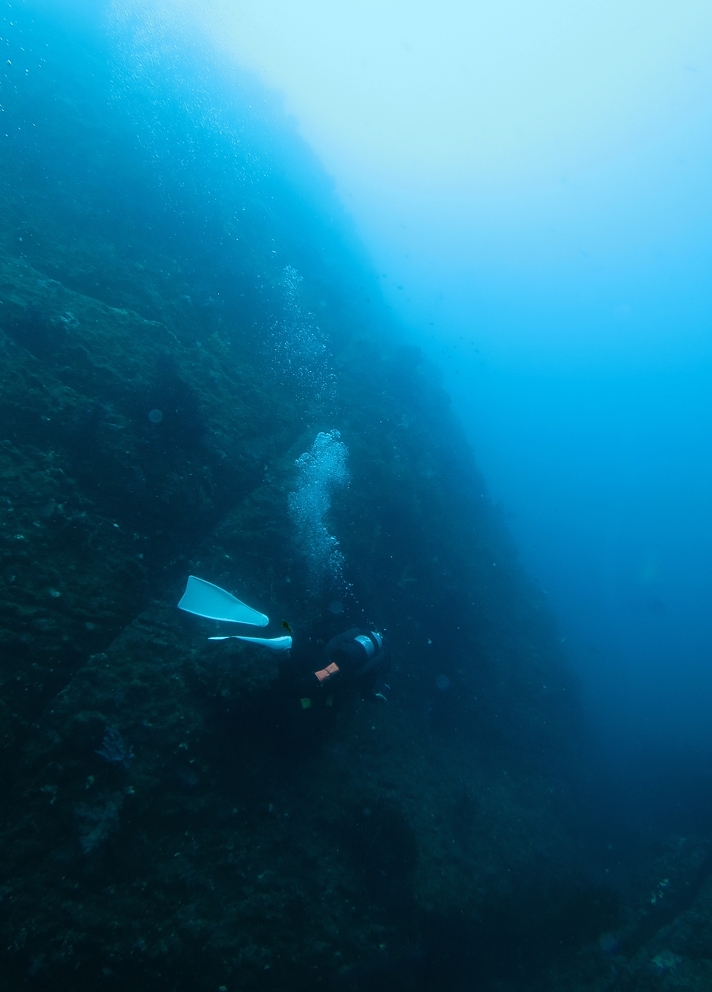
column 355, row 652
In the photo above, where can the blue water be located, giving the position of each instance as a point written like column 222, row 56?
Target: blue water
column 608, row 492
column 568, row 302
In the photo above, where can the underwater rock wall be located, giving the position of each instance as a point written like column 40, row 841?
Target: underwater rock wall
column 182, row 312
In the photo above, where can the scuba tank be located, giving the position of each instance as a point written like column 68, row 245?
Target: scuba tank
column 356, row 652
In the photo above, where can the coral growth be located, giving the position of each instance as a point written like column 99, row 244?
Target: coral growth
column 114, row 749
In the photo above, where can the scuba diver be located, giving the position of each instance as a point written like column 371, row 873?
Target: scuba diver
column 355, row 660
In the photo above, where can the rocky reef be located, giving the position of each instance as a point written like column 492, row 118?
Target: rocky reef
column 183, row 310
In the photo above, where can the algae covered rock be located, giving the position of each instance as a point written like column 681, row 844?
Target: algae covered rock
column 183, row 313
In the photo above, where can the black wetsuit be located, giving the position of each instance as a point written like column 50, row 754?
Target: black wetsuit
column 356, row 659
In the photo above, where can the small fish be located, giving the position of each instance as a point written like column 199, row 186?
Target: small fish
column 285, row 626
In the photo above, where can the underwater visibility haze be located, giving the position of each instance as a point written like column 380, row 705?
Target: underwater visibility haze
column 355, row 487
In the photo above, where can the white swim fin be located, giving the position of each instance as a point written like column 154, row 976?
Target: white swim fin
column 206, row 600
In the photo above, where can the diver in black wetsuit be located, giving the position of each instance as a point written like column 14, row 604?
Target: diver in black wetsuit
column 355, row 660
